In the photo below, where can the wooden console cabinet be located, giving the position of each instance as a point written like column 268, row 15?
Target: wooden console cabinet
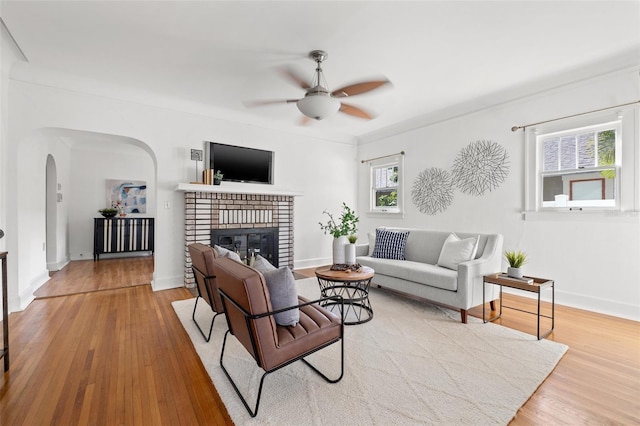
column 121, row 235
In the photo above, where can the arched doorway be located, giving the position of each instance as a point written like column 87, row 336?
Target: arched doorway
column 78, row 164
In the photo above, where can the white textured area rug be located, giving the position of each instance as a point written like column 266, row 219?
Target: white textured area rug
column 413, row 363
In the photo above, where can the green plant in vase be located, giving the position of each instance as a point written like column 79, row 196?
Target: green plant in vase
column 343, row 228
column 346, row 225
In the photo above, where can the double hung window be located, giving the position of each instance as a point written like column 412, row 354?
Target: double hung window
column 386, row 186
column 579, row 167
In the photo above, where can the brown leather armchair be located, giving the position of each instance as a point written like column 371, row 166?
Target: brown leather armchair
column 248, row 310
column 202, row 257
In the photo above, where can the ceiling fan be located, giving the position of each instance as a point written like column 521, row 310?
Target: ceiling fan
column 318, row 102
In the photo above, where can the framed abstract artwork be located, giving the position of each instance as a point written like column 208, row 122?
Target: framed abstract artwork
column 130, row 196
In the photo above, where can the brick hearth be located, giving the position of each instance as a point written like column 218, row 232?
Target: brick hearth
column 205, row 211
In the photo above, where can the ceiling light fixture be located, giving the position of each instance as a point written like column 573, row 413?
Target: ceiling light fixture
column 318, row 102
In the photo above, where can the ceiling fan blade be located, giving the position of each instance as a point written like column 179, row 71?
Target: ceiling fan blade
column 251, row 104
column 304, row 121
column 293, row 76
column 358, row 88
column 355, row 111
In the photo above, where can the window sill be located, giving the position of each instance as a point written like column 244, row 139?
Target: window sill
column 629, row 216
column 392, row 215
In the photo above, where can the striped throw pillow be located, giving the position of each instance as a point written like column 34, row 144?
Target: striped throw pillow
column 390, row 244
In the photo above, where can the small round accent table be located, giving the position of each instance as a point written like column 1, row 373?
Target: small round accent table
column 353, row 286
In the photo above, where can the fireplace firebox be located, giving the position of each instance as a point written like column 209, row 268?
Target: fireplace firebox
column 248, row 242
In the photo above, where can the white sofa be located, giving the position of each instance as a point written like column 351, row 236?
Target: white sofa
column 419, row 274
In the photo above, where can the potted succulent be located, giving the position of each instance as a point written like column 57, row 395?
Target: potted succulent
column 346, row 225
column 217, row 177
column 515, row 259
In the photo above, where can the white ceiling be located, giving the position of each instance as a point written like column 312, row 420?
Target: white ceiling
column 441, row 56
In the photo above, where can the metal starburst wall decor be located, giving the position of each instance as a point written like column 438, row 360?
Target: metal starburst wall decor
column 432, row 190
column 480, row 167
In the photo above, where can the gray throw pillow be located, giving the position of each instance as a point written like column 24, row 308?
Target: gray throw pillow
column 223, row 252
column 282, row 290
column 263, row 265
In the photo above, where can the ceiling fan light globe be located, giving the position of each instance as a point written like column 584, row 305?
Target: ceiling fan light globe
column 318, row 105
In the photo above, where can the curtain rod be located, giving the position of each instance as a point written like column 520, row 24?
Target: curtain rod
column 384, row 156
column 516, row 128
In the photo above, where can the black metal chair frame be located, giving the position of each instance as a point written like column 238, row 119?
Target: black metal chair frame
column 207, row 337
column 248, row 318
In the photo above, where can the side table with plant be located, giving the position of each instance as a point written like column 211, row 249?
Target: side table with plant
column 346, row 226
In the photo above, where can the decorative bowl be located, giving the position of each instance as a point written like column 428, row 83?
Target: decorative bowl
column 108, row 212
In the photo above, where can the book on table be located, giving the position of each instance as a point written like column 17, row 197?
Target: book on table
column 523, row 280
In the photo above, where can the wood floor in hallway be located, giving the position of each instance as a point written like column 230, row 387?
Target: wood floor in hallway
column 83, row 276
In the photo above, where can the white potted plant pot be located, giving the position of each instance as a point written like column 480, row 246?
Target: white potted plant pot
column 514, row 272
column 339, row 250
column 350, row 254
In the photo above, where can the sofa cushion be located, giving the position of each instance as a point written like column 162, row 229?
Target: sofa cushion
column 455, row 251
column 423, row 245
column 390, row 244
column 418, row 272
column 223, row 252
column 372, row 242
column 283, row 294
column 263, row 265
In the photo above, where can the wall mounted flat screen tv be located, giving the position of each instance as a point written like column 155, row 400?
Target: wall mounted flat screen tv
column 240, row 164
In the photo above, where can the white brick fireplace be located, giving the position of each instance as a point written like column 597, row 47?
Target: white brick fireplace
column 209, row 207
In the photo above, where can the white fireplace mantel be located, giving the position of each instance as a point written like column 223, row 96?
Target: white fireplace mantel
column 236, row 188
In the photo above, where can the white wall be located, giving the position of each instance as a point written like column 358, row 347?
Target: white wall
column 321, row 170
column 26, row 202
column 7, row 57
column 595, row 259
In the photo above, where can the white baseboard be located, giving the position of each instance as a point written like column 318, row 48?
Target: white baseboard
column 58, row 265
column 25, row 297
column 81, row 256
column 166, row 283
column 312, row 263
column 89, row 256
column 587, row 303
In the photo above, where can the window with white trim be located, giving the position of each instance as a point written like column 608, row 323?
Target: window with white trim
column 579, row 168
column 386, row 185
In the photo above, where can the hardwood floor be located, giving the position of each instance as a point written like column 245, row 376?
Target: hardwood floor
column 82, row 276
column 597, row 382
column 121, row 356
column 113, row 356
